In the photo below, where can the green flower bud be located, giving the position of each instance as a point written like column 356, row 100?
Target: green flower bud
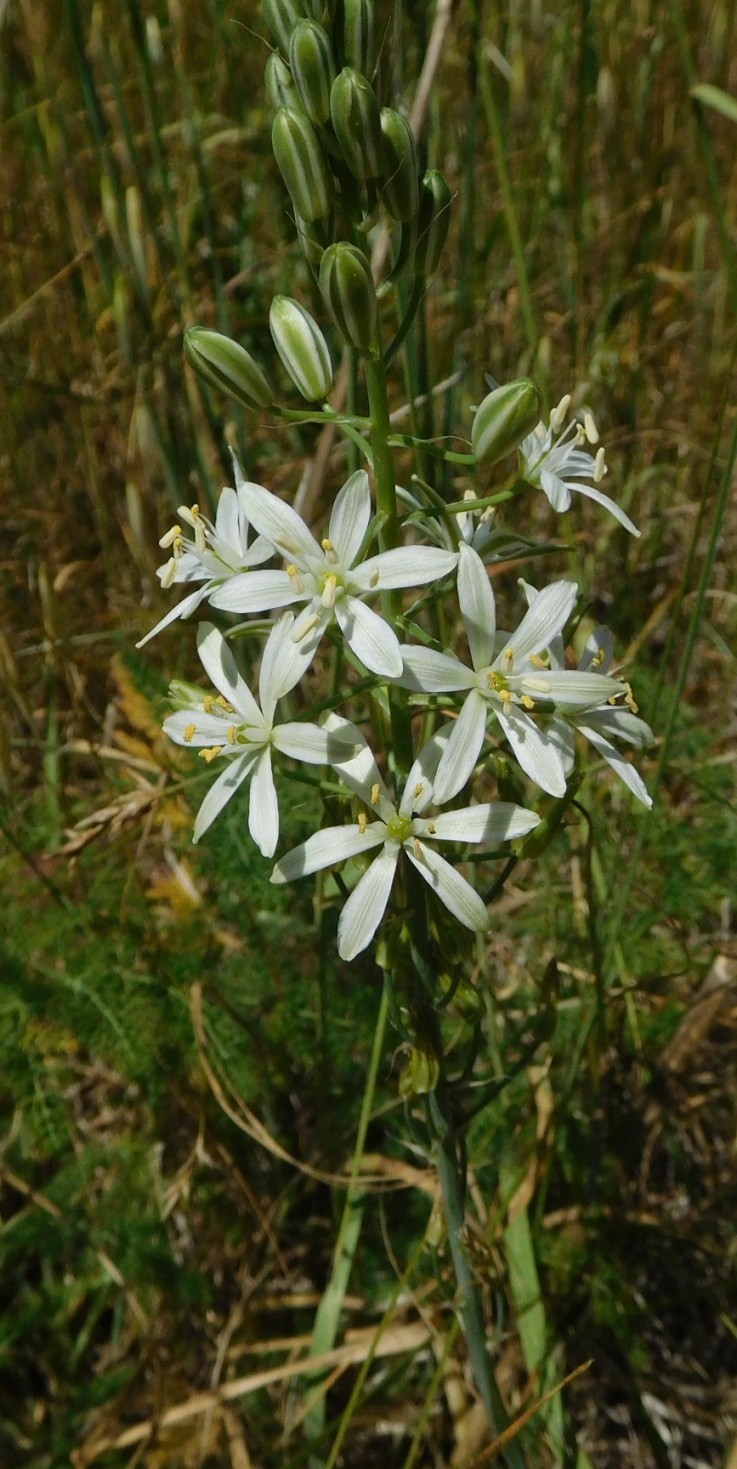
column 302, row 348
column 225, row 364
column 313, row 68
column 280, row 88
column 354, row 111
column 400, row 184
column 356, row 30
column 503, row 420
column 421, row 1074
column 301, row 163
column 433, row 222
column 313, row 237
column 349, row 293
column 280, row 17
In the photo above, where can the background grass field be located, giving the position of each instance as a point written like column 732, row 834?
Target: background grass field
column 181, row 1071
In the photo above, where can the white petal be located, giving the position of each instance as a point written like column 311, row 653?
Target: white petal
column 495, row 821
column 256, row 591
column 220, row 666
column 452, row 889
column 350, row 517
column 463, row 748
column 209, row 729
column 534, row 750
column 361, row 772
column 556, row 490
column 433, row 673
column 601, row 640
column 183, row 609
column 280, row 524
column 263, row 807
column 312, row 744
column 477, row 606
column 406, row 566
column 221, row 791
column 282, row 664
column 332, row 844
column 619, row 763
column 569, row 688
column 561, row 736
column 622, row 724
column 371, row 639
column 548, row 614
column 228, row 522
column 364, row 910
column 418, row 791
column 610, row 505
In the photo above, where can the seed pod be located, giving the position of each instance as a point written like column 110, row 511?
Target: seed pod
column 356, row 31
column 302, row 348
column 433, row 222
column 348, row 292
column 313, row 68
column 224, row 364
column 280, row 88
column 354, row 111
column 400, row 183
column 301, row 163
column 503, row 420
column 281, row 16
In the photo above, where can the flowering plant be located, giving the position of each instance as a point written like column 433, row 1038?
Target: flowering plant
column 422, row 701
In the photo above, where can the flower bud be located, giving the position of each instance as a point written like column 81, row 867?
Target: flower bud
column 302, row 348
column 551, row 810
column 354, row 111
column 301, row 163
column 280, row 88
column 503, row 420
column 400, row 184
column 433, row 222
column 422, row 1072
column 313, row 68
column 313, row 237
column 225, row 364
column 349, row 293
column 356, row 29
column 280, row 17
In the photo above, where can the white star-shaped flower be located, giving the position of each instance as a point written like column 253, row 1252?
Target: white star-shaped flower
column 211, row 554
column 508, row 682
column 599, row 724
column 324, row 576
column 555, row 462
column 232, row 727
column 391, row 829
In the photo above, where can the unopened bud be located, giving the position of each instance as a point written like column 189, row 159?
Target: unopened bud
column 280, row 17
column 301, row 163
column 504, row 419
column 313, row 237
column 422, row 1072
column 302, row 348
column 400, row 184
column 433, row 222
column 313, row 68
column 356, row 29
column 224, row 364
column 349, row 293
column 279, row 83
column 354, row 111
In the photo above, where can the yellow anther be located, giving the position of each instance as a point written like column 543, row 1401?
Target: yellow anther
column 189, row 513
column 328, row 592
column 170, row 537
column 590, row 429
column 374, row 578
column 629, row 700
column 431, row 828
column 222, row 703
column 189, row 733
column 375, row 793
column 232, row 732
column 211, row 754
column 169, row 574
column 330, row 551
column 598, row 658
column 599, row 466
column 505, row 697
column 362, row 822
column 508, row 656
column 526, row 701
column 419, row 788
column 207, row 703
column 417, row 849
column 538, row 662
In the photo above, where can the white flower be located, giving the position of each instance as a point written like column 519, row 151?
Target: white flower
column 556, row 463
column 324, row 575
column 211, row 555
column 390, row 829
column 232, row 727
column 598, row 724
column 509, row 681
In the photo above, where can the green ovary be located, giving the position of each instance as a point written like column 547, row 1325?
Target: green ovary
column 399, row 828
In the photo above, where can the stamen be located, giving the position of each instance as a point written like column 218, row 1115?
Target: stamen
column 538, row 662
column 207, row 703
column 539, row 685
column 508, row 656
column 375, row 793
column 299, row 633
column 362, row 822
column 170, row 537
column 558, row 414
column 189, row 733
column 168, row 575
column 331, row 554
column 231, row 734
column 200, row 539
column 505, row 697
column 190, row 514
column 222, row 703
column 211, row 754
column 539, row 431
column 526, row 701
column 590, row 429
column 419, row 788
column 328, row 591
column 629, row 700
column 598, row 658
column 599, row 466
column 374, row 578
column 431, row 828
column 417, row 849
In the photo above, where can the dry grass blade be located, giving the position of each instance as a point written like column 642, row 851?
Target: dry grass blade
column 493, row 1449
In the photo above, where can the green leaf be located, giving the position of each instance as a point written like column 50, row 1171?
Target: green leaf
column 716, row 98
